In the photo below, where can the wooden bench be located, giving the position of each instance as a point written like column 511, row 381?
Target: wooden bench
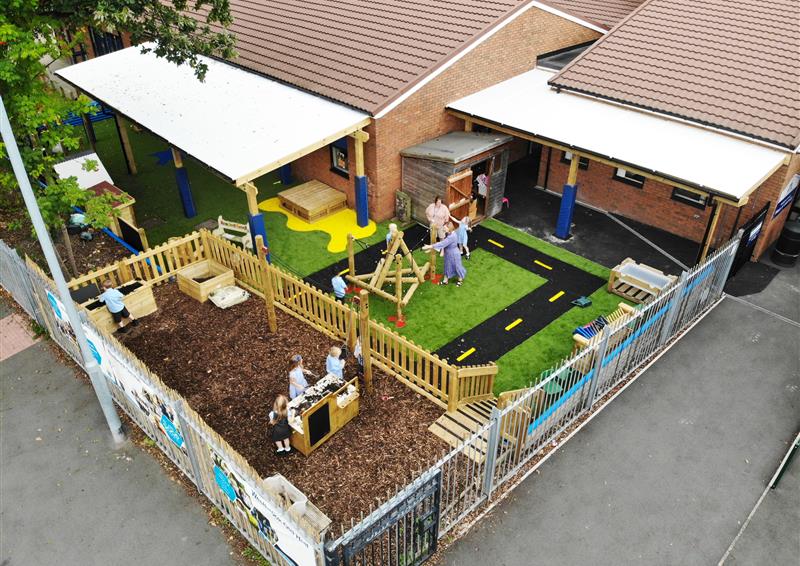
column 242, row 236
column 312, row 200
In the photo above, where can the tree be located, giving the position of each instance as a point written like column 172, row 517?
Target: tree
column 33, row 32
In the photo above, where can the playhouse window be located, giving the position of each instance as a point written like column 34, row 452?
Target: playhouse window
column 629, row 178
column 566, row 157
column 339, row 161
column 690, row 198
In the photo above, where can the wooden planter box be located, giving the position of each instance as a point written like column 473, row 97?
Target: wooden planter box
column 214, row 275
column 138, row 300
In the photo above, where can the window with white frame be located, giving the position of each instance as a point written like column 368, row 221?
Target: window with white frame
column 688, row 197
column 628, row 178
column 583, row 162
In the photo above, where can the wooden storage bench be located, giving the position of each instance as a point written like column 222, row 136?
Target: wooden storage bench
column 638, row 282
column 313, row 200
column 200, row 279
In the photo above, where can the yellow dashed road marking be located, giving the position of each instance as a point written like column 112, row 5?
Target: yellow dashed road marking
column 556, row 296
column 539, row 263
column 498, row 244
column 465, row 354
column 513, row 324
column 343, row 271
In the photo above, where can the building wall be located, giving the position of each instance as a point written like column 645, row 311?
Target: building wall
column 509, row 52
column 317, row 165
column 653, row 204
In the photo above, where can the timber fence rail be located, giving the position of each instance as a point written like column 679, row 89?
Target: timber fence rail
column 529, row 422
column 260, row 509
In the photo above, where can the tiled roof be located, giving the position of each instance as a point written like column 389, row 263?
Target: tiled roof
column 364, row 53
column 731, row 64
column 604, row 13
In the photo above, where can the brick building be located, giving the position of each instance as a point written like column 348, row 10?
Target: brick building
column 730, row 89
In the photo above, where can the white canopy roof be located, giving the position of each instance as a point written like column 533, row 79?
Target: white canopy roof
column 238, row 123
column 695, row 156
column 87, row 176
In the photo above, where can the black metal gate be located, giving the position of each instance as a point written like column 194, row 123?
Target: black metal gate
column 751, row 230
column 404, row 531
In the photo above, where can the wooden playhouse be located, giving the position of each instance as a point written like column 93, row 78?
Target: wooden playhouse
column 467, row 169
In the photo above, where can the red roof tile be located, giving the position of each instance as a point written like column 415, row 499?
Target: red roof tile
column 604, row 13
column 731, row 64
column 366, row 53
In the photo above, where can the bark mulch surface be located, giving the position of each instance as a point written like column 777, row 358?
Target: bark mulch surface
column 230, row 369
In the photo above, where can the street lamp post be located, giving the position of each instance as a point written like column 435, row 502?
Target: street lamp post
column 89, row 363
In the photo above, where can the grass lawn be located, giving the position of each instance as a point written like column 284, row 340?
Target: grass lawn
column 524, row 364
column 436, row 315
column 159, row 210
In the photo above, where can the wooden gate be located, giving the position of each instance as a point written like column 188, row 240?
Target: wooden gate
column 459, row 193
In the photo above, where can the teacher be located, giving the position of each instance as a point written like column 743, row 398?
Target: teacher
column 438, row 216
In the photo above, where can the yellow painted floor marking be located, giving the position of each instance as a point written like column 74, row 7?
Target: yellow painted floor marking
column 465, row 354
column 556, row 296
column 539, row 263
column 336, row 225
column 498, row 244
column 513, row 324
column 343, row 271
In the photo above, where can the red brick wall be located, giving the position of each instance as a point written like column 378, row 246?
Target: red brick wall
column 509, row 52
column 654, row 206
column 317, row 165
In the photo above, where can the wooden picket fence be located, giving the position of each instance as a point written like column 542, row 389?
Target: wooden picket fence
column 426, row 373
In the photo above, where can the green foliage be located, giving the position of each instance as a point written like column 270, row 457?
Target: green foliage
column 252, row 554
column 34, row 33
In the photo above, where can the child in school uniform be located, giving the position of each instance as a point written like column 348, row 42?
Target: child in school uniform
column 339, row 287
column 279, row 419
column 461, row 234
column 114, row 302
column 333, row 363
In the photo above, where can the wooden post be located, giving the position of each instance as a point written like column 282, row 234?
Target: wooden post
column 126, row 144
column 124, row 271
column 360, row 137
column 467, row 125
column 711, row 231
column 398, row 282
column 87, row 125
column 351, row 260
column 269, row 294
column 432, row 260
column 573, row 169
column 366, row 352
column 452, row 389
column 204, row 243
column 351, row 329
column 252, row 197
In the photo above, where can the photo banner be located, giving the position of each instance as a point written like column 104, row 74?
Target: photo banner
column 787, row 195
column 271, row 524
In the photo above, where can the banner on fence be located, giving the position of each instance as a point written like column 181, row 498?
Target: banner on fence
column 787, row 195
column 270, row 524
column 142, row 394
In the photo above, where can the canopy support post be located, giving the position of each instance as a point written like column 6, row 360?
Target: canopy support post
column 184, row 188
column 362, row 203
column 568, row 197
column 712, row 228
column 255, row 219
column 124, row 141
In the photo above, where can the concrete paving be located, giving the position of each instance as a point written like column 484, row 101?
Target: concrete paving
column 773, row 534
column 769, row 286
column 669, row 472
column 70, row 498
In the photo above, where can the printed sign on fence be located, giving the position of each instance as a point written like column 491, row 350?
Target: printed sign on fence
column 156, row 409
column 787, row 195
column 271, row 524
column 62, row 322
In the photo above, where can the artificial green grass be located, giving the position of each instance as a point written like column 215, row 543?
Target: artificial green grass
column 524, row 364
column 159, row 210
column 545, row 247
column 437, row 315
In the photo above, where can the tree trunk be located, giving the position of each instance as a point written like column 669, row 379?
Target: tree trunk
column 68, row 246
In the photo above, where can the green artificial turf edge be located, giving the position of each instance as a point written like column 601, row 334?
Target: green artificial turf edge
column 545, row 247
column 436, row 315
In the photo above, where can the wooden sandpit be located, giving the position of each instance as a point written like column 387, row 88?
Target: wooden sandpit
column 229, row 368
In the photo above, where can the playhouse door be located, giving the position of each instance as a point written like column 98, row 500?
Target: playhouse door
column 459, row 192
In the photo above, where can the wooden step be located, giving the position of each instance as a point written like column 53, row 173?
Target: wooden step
column 457, row 426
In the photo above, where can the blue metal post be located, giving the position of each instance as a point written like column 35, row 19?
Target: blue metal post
column 258, row 228
column 285, row 174
column 362, row 203
column 184, row 188
column 565, row 213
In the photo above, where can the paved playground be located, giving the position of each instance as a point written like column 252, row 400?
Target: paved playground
column 70, row 498
column 669, row 472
